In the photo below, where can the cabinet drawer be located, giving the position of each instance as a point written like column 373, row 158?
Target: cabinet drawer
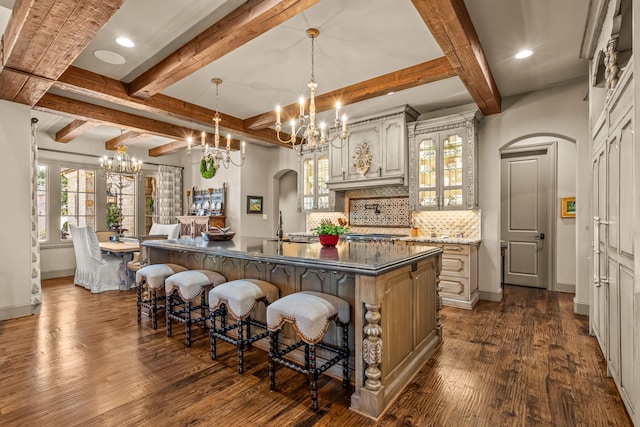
column 454, row 248
column 455, row 266
column 454, row 287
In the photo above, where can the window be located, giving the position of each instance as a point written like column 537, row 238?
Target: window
column 41, row 197
column 77, row 199
column 121, row 203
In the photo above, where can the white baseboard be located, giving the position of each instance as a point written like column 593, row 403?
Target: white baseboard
column 566, row 287
column 17, row 311
column 57, row 273
column 580, row 307
column 494, row 296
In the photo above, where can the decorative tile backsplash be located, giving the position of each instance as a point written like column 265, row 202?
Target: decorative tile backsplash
column 450, row 223
column 437, row 223
column 380, row 212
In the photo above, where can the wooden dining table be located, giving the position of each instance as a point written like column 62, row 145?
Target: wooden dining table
column 124, row 250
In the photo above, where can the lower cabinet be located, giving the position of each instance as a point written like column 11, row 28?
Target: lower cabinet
column 459, row 273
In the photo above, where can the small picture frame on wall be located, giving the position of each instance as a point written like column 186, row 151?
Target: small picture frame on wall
column 568, row 207
column 254, row 204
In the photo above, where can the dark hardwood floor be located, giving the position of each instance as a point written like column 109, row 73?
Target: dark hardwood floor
column 85, row 361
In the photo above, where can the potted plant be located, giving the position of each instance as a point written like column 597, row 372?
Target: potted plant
column 328, row 233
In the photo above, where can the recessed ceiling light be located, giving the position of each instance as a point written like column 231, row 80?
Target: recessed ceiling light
column 524, row 54
column 109, row 57
column 390, row 93
column 123, row 41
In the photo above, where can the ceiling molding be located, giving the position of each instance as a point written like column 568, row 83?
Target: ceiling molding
column 450, row 24
column 240, row 26
column 409, row 77
column 74, row 130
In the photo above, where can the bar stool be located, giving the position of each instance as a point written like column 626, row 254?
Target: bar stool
column 182, row 289
column 238, row 298
column 152, row 278
column 310, row 314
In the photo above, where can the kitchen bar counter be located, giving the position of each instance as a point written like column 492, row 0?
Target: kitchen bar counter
column 392, row 291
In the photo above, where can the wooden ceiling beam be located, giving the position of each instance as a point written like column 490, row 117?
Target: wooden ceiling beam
column 84, row 111
column 417, row 75
column 451, row 26
column 43, row 38
column 170, row 148
column 127, row 138
column 74, row 130
column 240, row 26
column 103, row 88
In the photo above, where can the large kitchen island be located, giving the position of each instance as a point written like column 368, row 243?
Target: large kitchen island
column 392, row 291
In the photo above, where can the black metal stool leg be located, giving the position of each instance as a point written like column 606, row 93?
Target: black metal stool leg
column 212, row 337
column 240, row 348
column 139, row 300
column 345, row 348
column 154, row 308
column 187, row 323
column 313, row 376
column 273, row 348
column 168, row 311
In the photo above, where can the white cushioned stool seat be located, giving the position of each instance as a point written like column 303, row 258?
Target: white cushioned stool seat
column 309, row 312
column 191, row 283
column 239, row 298
column 182, row 289
column 152, row 277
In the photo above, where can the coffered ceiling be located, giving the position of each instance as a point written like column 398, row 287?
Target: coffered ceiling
column 431, row 54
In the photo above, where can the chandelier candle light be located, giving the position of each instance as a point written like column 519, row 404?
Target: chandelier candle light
column 212, row 158
column 120, row 163
column 309, row 133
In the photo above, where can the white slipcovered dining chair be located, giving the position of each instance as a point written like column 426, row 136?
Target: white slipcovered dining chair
column 172, row 231
column 95, row 271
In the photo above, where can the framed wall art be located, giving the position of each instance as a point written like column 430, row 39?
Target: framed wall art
column 568, row 207
column 254, row 204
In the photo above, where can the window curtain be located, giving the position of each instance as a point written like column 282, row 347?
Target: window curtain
column 36, row 286
column 169, row 201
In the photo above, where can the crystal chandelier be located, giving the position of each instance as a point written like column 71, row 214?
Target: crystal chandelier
column 120, row 163
column 307, row 130
column 215, row 156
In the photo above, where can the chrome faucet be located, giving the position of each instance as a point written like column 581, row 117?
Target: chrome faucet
column 279, row 233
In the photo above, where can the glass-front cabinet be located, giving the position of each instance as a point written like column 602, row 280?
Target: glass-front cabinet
column 314, row 194
column 442, row 164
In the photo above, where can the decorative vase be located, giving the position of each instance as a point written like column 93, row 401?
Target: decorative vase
column 328, row 240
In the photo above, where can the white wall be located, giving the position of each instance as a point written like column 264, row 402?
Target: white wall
column 562, row 112
column 15, row 191
column 566, row 227
column 292, row 220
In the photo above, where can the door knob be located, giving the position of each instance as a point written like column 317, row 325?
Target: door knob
column 540, row 237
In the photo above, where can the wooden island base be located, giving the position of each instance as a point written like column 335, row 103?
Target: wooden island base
column 392, row 291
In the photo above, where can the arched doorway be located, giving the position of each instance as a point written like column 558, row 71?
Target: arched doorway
column 550, row 250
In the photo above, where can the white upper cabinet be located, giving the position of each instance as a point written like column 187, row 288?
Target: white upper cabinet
column 375, row 153
column 443, row 162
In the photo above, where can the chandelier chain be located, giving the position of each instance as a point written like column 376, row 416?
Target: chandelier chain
column 312, row 136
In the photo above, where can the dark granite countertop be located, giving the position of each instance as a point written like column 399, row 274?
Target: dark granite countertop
column 358, row 257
